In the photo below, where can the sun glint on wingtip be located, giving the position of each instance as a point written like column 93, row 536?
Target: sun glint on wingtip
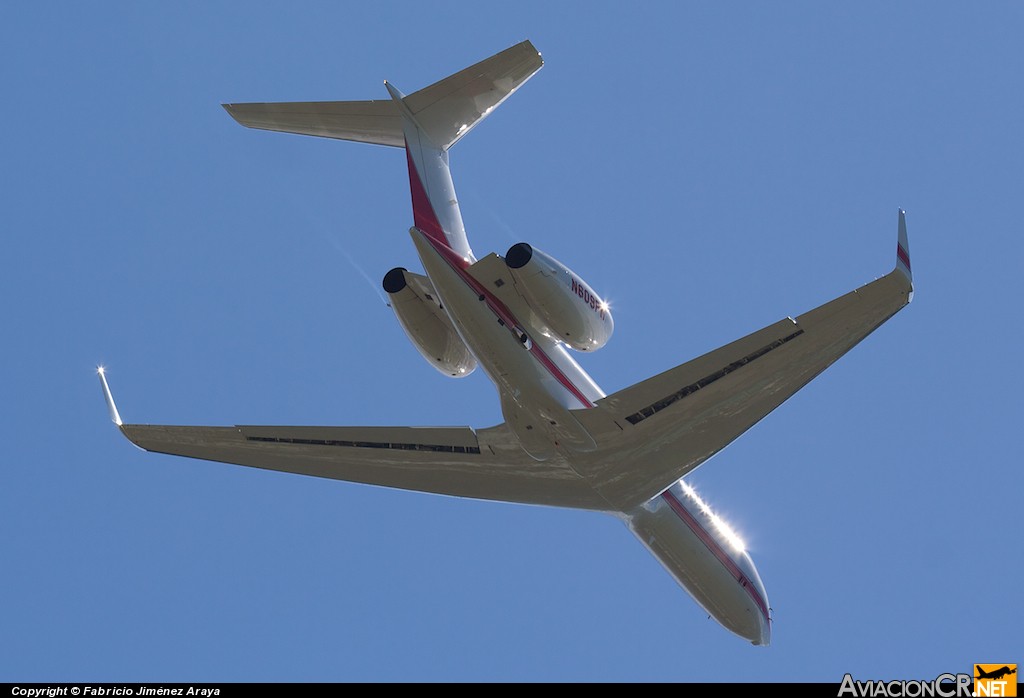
column 101, row 371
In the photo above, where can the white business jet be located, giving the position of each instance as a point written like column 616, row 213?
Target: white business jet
column 563, row 442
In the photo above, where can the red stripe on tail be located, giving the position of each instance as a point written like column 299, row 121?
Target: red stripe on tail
column 422, row 211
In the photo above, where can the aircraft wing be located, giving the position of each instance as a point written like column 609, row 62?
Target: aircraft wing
column 649, row 435
column 673, row 422
column 457, row 461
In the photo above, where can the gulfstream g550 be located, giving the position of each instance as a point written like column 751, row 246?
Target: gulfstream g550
column 563, row 442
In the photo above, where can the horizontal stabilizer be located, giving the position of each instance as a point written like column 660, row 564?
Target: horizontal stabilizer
column 374, row 121
column 449, row 109
column 446, row 110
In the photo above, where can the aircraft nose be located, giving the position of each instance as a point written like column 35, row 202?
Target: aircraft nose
column 755, row 628
column 759, row 625
column 764, row 632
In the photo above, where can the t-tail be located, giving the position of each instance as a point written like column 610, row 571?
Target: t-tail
column 427, row 123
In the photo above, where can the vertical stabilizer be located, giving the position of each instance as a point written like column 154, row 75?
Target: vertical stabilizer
column 435, row 118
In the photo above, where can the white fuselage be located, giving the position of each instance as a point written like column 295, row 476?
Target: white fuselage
column 676, row 527
column 540, row 387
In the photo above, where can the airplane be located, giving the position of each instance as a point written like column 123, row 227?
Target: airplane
column 563, row 442
column 996, row 674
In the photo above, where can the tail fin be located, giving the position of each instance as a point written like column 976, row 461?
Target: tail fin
column 444, row 111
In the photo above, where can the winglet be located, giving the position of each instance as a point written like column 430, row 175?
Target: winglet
column 114, row 416
column 903, row 250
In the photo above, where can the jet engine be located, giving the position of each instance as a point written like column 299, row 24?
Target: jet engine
column 566, row 305
column 421, row 315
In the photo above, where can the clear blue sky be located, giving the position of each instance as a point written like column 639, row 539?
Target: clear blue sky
column 710, row 169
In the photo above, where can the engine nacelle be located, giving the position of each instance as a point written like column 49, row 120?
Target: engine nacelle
column 566, row 305
column 427, row 325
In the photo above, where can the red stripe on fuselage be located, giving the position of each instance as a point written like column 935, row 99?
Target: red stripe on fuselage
column 716, row 550
column 555, row 371
column 426, row 220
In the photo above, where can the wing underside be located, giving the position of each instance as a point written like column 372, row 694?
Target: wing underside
column 485, row 464
column 649, row 435
column 675, row 421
